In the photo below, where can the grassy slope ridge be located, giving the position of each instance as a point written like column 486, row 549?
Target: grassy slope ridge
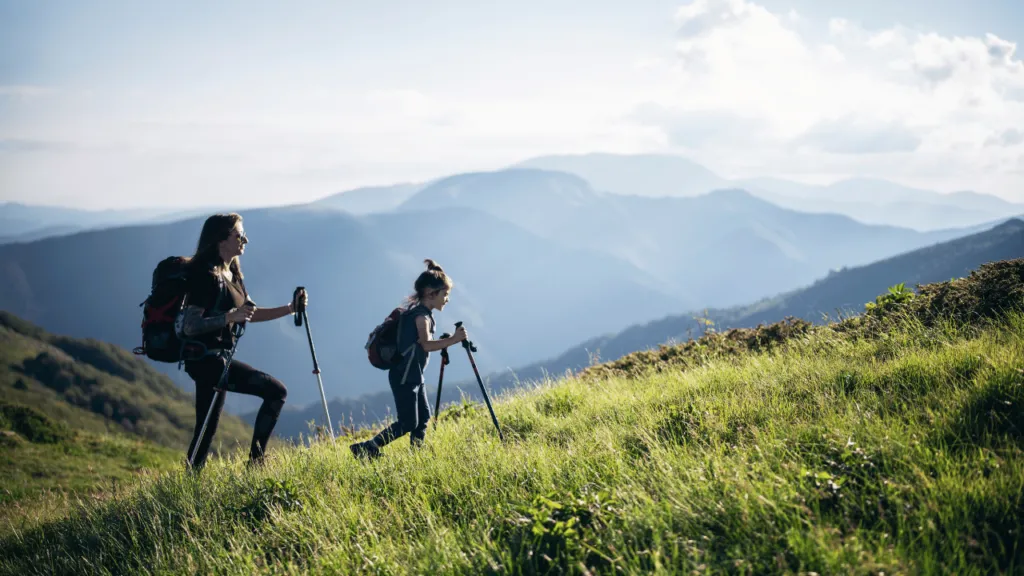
column 846, row 290
column 44, row 464
column 841, row 293
column 888, row 443
column 76, row 413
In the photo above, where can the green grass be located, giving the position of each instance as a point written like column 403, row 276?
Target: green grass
column 82, row 419
column 900, row 453
column 49, row 476
column 83, row 463
column 47, row 466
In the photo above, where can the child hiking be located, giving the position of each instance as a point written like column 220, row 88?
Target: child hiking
column 415, row 343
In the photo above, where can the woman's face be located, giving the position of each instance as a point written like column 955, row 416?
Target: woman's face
column 234, row 244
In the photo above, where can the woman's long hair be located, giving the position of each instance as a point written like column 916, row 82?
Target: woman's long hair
column 216, row 229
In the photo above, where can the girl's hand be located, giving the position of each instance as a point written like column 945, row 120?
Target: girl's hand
column 460, row 334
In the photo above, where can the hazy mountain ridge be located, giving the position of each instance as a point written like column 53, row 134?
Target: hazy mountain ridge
column 368, row 199
column 840, row 293
column 356, row 270
column 869, row 200
column 533, row 253
column 647, row 175
column 22, row 222
column 847, row 290
column 722, row 248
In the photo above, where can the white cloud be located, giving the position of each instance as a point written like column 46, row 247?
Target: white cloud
column 1008, row 137
column 411, row 105
column 833, row 96
column 284, row 144
column 859, row 134
column 740, row 88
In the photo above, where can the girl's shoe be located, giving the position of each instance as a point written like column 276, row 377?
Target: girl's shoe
column 365, row 450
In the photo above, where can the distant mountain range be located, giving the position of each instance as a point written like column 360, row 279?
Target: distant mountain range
column 24, row 223
column 654, row 175
column 509, row 283
column 867, row 200
column 541, row 261
column 534, row 253
column 369, row 200
column 839, row 294
column 718, row 249
column 843, row 291
column 871, row 201
column 39, row 233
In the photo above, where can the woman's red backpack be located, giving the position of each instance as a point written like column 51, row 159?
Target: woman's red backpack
column 160, row 338
column 382, row 345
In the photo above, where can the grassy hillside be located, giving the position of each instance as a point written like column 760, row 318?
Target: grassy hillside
column 76, row 414
column 45, row 463
column 890, row 443
column 846, row 290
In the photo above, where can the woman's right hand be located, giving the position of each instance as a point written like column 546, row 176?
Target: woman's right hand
column 243, row 314
column 460, row 334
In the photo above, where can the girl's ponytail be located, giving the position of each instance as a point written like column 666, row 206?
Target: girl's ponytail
column 433, row 278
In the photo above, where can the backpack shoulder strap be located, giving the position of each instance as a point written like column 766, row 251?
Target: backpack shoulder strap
column 222, row 286
column 405, row 314
column 245, row 291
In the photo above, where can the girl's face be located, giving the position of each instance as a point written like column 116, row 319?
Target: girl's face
column 436, row 299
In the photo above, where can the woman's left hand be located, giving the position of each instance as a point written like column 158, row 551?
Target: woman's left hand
column 298, row 302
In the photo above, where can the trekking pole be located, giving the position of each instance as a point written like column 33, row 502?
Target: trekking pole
column 237, row 330
column 470, row 348
column 440, row 379
column 300, row 317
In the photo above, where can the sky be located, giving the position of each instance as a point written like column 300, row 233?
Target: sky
column 189, row 104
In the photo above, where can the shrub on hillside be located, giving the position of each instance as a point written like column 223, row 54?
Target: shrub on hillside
column 31, row 424
column 993, row 289
column 710, row 346
column 101, row 355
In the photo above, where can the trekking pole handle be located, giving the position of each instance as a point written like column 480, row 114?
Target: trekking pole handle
column 297, row 306
column 467, row 343
column 444, row 351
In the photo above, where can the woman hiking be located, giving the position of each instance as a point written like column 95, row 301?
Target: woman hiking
column 415, row 338
column 216, row 301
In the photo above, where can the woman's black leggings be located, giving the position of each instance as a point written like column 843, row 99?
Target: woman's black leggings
column 244, row 379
